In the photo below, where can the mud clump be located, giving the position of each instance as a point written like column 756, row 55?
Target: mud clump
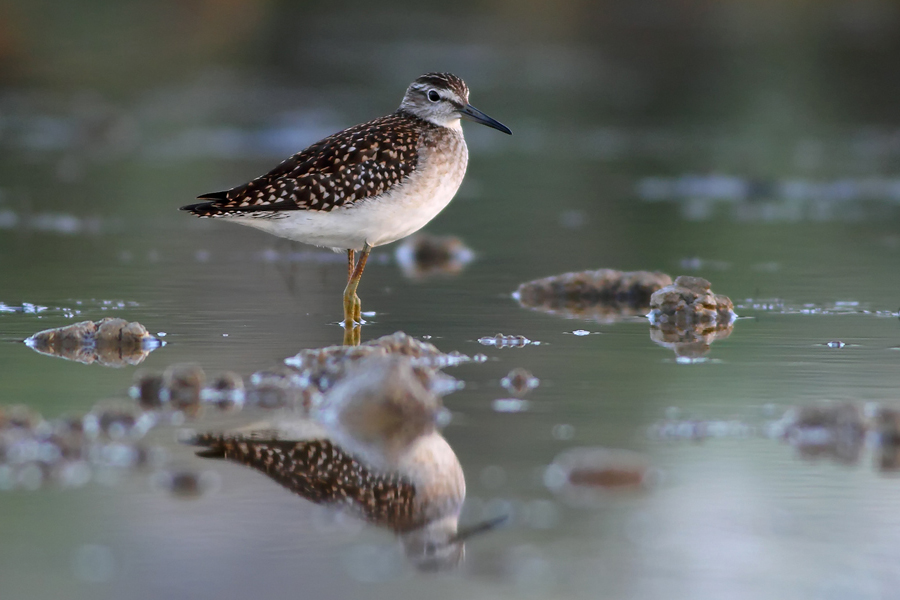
column 689, row 303
column 604, row 295
column 186, row 484
column 887, row 426
column 519, row 382
column 584, row 476
column 687, row 317
column 226, row 391
column 835, row 431
column 111, row 342
column 423, row 255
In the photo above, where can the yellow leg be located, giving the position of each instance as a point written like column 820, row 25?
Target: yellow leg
column 350, row 264
column 352, row 305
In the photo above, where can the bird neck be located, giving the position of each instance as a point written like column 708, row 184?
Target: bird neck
column 452, row 125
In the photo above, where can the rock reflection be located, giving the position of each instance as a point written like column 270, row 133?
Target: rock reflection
column 604, row 295
column 371, row 446
column 423, row 255
column 689, row 344
column 110, row 342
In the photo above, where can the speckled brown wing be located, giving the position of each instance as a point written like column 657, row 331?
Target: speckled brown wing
column 322, row 473
column 360, row 162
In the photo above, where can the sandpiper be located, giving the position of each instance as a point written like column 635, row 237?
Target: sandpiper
column 365, row 186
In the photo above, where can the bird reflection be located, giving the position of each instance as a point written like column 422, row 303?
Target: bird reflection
column 370, row 447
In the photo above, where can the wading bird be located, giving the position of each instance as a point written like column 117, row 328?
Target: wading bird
column 365, row 186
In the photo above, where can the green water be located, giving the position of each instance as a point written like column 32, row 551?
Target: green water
column 599, row 101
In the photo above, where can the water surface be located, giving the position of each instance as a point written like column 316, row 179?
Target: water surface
column 90, row 184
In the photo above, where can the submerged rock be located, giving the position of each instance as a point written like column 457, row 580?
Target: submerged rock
column 148, row 390
column 182, row 385
column 604, row 295
column 111, row 342
column 887, row 426
column 586, row 475
column 519, row 382
column 423, row 255
column 835, row 431
column 186, row 484
column 226, row 391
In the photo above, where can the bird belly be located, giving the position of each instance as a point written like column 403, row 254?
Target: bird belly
column 375, row 221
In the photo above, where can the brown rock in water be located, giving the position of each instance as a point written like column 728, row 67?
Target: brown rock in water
column 835, row 431
column 148, row 390
column 182, row 385
column 687, row 317
column 689, row 302
column 604, row 295
column 586, row 475
column 19, row 417
column 186, row 484
column 423, row 255
column 887, row 424
column 111, row 342
column 228, row 390
column 690, row 343
column 519, row 382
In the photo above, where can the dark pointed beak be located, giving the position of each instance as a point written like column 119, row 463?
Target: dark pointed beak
column 478, row 528
column 471, row 113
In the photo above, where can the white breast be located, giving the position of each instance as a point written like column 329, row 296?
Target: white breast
column 383, row 219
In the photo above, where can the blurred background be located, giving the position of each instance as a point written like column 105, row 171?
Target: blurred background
column 752, row 142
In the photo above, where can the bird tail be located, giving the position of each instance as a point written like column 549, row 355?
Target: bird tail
column 215, row 445
column 212, row 207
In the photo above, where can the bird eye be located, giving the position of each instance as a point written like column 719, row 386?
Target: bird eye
column 433, row 96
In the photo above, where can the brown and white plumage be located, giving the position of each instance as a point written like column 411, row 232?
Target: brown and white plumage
column 352, row 165
column 419, row 497
column 368, row 185
column 323, row 473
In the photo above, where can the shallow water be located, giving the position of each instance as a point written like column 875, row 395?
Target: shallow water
column 89, row 228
